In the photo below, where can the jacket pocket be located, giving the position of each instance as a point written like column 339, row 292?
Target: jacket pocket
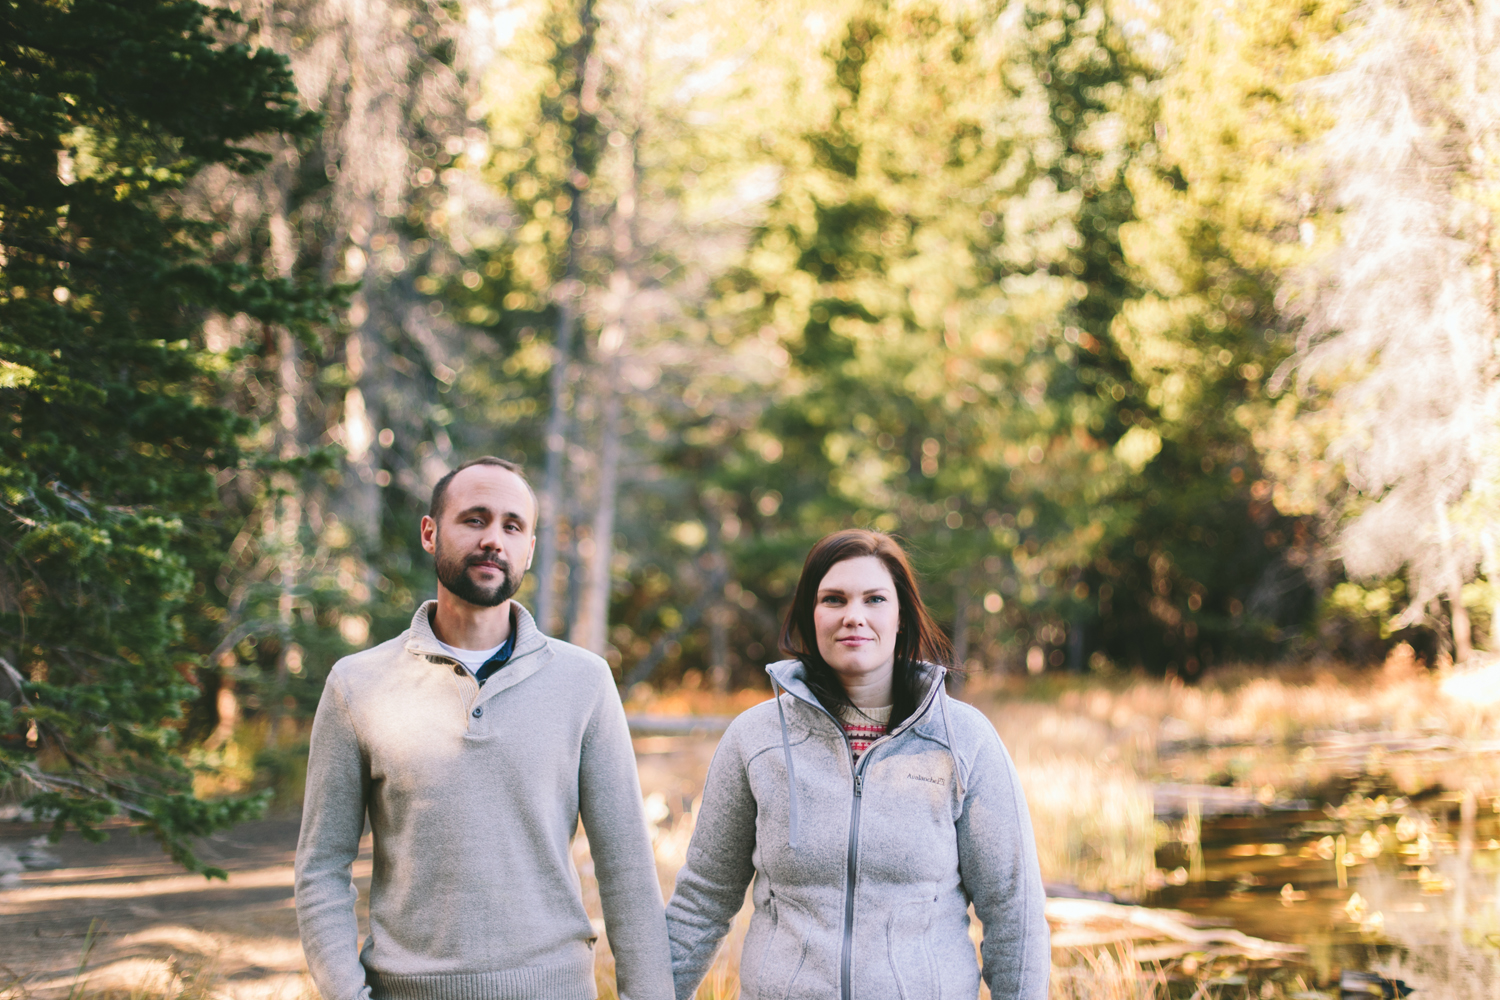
column 785, row 951
column 909, row 949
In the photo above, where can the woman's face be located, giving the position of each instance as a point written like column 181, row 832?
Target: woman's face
column 856, row 618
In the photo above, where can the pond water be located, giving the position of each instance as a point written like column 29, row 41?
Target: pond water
column 1375, row 855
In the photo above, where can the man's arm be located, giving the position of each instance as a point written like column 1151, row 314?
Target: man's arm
column 332, row 820
column 609, row 802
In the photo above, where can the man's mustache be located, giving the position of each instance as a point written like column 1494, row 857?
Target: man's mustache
column 488, row 560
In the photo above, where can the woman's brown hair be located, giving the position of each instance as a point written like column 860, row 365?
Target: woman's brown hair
column 918, row 639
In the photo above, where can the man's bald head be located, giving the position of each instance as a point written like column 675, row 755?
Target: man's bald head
column 440, row 491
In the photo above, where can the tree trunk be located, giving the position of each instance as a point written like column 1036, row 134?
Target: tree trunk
column 591, row 629
column 570, row 563
column 721, row 614
column 1491, row 567
column 718, row 648
column 286, row 530
column 1488, row 279
column 555, row 443
column 1463, row 642
column 226, row 707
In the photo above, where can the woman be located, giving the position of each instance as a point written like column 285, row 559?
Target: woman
column 868, row 808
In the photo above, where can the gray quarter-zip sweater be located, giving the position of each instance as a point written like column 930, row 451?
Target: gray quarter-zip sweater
column 864, row 870
column 474, row 795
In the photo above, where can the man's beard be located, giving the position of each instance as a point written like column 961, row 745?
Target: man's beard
column 453, row 573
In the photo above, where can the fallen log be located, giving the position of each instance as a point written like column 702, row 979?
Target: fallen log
column 1083, row 923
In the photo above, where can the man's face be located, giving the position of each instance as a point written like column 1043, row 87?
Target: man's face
column 484, row 537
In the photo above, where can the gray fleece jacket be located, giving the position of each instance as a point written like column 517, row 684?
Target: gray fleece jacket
column 863, row 871
column 474, row 795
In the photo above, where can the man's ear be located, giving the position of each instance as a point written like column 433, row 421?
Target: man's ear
column 429, row 534
column 531, row 552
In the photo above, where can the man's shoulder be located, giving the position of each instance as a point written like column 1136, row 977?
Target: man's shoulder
column 357, row 667
column 578, row 663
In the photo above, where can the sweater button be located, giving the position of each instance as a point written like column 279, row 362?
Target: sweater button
column 478, row 712
column 459, row 671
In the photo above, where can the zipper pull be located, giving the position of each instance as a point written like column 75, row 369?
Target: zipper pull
column 859, row 785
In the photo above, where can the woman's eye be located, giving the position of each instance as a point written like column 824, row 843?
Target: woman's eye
column 876, row 599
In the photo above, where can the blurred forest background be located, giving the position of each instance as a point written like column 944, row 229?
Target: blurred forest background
column 1164, row 334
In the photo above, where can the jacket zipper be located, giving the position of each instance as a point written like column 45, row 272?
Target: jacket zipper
column 846, row 977
column 846, row 956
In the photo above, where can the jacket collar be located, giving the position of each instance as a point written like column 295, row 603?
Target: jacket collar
column 791, row 675
column 422, row 641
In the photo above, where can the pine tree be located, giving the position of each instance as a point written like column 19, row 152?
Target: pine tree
column 114, row 440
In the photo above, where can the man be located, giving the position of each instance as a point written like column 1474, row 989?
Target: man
column 475, row 744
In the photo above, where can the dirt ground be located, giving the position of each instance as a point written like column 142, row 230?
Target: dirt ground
column 157, row 930
column 151, row 926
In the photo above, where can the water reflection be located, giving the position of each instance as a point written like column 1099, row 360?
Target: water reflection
column 1376, row 858
column 1441, row 917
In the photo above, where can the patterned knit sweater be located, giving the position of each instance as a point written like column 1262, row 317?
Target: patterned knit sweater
column 864, row 726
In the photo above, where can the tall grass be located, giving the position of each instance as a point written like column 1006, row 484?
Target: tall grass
column 1089, row 797
column 1094, row 825
column 1256, row 704
column 1106, row 974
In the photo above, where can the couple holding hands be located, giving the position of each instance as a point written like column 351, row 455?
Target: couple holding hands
column 866, row 809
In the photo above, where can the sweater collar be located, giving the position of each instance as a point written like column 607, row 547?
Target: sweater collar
column 422, row 641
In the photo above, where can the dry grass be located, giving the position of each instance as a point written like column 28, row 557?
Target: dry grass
column 1245, row 704
column 1088, row 794
column 1106, row 974
column 1094, row 825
